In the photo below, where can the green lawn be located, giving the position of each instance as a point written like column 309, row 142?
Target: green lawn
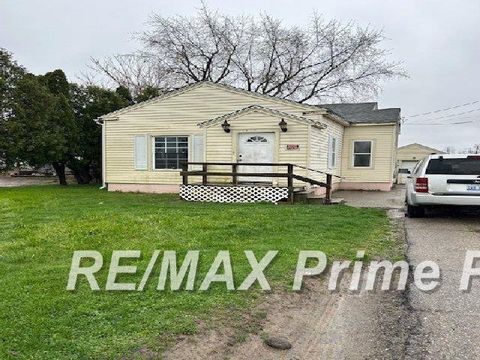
column 40, row 227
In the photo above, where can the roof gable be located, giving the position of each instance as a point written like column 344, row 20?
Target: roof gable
column 305, row 107
column 264, row 110
column 420, row 146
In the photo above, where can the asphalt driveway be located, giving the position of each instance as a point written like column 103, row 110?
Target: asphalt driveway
column 447, row 321
column 9, row 181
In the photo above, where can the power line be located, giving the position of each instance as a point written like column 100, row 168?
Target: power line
column 457, row 122
column 441, row 110
column 450, row 115
column 442, row 124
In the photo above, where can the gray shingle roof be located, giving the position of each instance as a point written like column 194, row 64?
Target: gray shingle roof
column 358, row 113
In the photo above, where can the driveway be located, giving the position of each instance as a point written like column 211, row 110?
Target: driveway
column 9, row 181
column 447, row 321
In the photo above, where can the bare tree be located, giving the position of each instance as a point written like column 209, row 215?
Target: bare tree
column 324, row 60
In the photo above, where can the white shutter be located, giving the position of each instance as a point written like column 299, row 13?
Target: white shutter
column 140, row 152
column 197, row 141
column 197, row 151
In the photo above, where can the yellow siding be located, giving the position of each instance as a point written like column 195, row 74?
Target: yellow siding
column 415, row 152
column 319, row 150
column 179, row 115
column 222, row 147
column 383, row 138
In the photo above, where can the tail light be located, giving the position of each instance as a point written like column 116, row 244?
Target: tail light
column 421, row 185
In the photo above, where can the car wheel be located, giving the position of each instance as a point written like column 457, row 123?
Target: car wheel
column 415, row 211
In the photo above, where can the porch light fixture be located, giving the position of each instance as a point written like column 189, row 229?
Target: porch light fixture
column 283, row 125
column 226, row 126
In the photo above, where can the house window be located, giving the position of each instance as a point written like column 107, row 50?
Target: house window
column 257, row 139
column 362, row 153
column 170, row 152
column 332, row 152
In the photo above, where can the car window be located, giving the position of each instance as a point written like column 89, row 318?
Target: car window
column 460, row 166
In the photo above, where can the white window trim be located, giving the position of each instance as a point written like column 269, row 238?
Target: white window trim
column 371, row 154
column 152, row 137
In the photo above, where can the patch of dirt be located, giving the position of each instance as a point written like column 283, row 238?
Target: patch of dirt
column 319, row 324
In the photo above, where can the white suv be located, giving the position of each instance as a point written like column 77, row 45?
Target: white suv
column 441, row 180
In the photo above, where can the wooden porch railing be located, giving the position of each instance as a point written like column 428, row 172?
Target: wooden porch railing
column 234, row 174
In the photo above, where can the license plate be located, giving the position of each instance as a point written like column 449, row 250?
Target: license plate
column 473, row 187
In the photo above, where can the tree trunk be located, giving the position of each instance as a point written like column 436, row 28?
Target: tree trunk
column 81, row 171
column 82, row 175
column 60, row 170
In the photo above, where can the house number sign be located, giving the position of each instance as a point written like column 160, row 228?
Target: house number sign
column 293, row 147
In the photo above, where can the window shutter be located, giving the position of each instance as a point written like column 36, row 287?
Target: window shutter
column 197, row 148
column 140, row 152
column 334, row 152
column 197, row 151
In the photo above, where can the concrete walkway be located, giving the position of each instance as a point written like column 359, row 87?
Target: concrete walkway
column 375, row 199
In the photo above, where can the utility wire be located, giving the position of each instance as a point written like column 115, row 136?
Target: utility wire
column 443, row 124
column 448, row 116
column 441, row 110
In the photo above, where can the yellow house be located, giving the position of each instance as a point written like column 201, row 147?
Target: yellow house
column 145, row 145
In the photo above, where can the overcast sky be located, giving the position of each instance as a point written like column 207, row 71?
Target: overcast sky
column 438, row 41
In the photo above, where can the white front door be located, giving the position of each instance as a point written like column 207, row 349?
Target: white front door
column 255, row 148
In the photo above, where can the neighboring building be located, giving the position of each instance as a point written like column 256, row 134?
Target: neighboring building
column 408, row 156
column 145, row 144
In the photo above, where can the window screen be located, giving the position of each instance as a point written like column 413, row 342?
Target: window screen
column 170, row 152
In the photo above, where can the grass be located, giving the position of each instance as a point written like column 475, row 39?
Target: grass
column 40, row 227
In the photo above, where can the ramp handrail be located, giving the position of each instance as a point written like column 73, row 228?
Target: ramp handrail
column 234, row 174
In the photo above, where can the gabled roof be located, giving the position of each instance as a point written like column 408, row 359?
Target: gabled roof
column 364, row 113
column 264, row 110
column 433, row 150
column 189, row 87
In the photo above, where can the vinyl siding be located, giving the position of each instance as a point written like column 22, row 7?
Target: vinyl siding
column 179, row 115
column 319, row 150
column 415, row 152
column 383, row 139
column 222, row 147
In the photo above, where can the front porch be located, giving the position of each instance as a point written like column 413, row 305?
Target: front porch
column 229, row 183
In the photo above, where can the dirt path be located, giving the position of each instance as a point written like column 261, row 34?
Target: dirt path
column 318, row 323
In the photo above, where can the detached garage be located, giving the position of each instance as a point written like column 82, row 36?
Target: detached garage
column 408, row 156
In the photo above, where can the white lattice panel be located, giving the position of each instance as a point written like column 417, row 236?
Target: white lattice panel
column 233, row 194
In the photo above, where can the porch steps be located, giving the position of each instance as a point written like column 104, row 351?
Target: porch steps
column 309, row 197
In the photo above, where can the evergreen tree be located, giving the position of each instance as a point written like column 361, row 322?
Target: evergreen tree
column 89, row 103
